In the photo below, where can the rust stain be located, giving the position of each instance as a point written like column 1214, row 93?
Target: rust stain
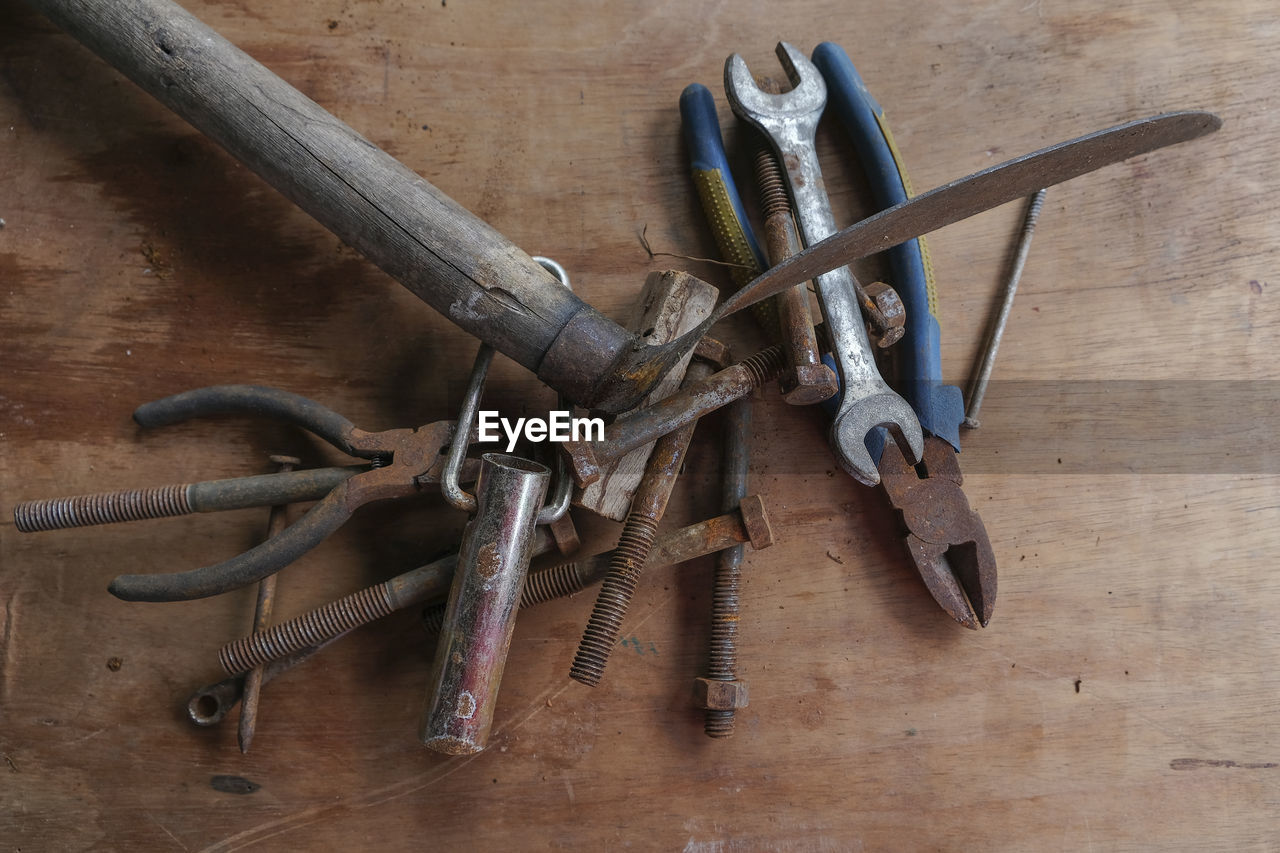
column 488, row 562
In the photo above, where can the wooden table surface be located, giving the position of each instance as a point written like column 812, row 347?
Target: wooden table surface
column 1123, row 697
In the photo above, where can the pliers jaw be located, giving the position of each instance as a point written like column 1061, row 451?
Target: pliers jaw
column 945, row 538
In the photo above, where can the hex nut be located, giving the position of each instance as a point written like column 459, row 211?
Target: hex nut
column 755, row 520
column 716, row 695
column 892, row 311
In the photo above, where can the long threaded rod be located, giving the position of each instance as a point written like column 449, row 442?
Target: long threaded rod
column 638, row 534
column 104, row 508
column 309, row 629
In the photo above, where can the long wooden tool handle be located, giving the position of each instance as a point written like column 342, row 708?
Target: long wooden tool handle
column 451, row 259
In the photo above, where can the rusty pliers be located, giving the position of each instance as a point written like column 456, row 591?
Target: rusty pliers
column 402, row 463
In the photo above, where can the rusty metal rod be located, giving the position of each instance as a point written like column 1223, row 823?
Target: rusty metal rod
column 745, row 524
column 723, row 658
column 172, row 501
column 209, row 705
column 978, row 387
column 263, row 605
column 806, row 380
column 588, row 458
column 639, row 532
column 749, row 523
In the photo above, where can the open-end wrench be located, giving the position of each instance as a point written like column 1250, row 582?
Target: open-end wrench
column 789, row 121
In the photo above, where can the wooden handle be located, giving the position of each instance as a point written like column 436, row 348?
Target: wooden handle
column 448, row 257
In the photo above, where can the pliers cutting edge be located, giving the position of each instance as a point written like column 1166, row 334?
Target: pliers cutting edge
column 946, row 539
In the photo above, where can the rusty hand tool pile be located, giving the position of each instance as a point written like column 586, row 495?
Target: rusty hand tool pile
column 901, row 434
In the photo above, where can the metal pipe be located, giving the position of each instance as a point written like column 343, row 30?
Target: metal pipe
column 748, row 523
column 492, row 563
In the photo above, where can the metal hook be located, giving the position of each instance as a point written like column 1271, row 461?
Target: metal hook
column 558, row 504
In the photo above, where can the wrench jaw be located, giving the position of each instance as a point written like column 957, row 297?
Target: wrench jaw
column 852, row 424
column 808, row 94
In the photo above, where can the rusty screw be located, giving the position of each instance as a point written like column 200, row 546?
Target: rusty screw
column 262, row 608
column 723, row 667
column 335, row 618
column 684, row 407
column 636, row 541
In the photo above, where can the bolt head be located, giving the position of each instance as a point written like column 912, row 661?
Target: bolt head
column 565, row 535
column 808, row 384
column 756, row 522
column 719, row 695
column 713, row 352
column 891, row 308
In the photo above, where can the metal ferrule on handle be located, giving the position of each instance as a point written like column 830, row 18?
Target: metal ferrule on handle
column 480, row 617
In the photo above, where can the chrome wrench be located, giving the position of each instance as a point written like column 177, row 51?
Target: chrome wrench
column 789, row 121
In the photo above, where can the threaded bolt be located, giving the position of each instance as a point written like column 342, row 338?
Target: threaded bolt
column 556, row 582
column 763, row 366
column 559, row 581
column 638, row 533
column 723, row 648
column 614, row 598
column 310, row 629
column 773, row 190
column 724, row 634
column 104, row 508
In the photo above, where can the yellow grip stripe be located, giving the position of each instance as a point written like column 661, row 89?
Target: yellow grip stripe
column 906, row 185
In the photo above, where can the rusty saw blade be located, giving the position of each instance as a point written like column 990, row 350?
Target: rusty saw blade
column 967, row 196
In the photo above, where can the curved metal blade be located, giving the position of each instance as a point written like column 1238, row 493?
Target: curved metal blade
column 967, row 196
column 642, row 366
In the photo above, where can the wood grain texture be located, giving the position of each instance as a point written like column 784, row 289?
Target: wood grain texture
column 1124, row 695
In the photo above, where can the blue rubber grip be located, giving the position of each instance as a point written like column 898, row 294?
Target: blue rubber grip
column 939, row 407
column 701, row 128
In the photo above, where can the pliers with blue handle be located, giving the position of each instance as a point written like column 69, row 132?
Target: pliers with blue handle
column 714, row 182
column 946, row 539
